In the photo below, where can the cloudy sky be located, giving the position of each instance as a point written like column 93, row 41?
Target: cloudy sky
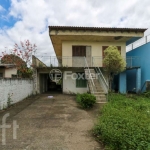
column 29, row 19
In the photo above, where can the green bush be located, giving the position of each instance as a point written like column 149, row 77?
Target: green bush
column 78, row 98
column 86, row 100
column 124, row 124
column 147, row 94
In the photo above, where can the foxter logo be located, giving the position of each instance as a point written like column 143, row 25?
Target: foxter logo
column 5, row 126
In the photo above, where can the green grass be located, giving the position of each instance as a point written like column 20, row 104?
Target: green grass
column 124, row 123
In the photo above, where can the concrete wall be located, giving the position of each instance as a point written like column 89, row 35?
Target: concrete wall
column 36, row 62
column 144, row 53
column 69, row 85
column 17, row 88
column 96, row 50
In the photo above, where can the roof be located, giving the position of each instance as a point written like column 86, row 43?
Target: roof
column 7, row 65
column 97, row 28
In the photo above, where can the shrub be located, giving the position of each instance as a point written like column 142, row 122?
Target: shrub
column 125, row 124
column 147, row 94
column 86, row 100
column 78, row 98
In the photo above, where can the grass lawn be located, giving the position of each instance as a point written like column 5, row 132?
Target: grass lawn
column 124, row 123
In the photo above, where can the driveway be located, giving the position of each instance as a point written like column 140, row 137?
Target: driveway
column 49, row 124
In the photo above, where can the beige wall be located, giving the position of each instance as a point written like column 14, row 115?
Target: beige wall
column 9, row 72
column 96, row 51
column 69, row 84
column 36, row 62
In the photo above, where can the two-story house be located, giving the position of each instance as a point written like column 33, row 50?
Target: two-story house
column 80, row 52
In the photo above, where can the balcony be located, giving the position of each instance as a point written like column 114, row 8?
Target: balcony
column 96, row 61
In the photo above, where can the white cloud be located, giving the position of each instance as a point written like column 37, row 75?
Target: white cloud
column 35, row 16
column 1, row 8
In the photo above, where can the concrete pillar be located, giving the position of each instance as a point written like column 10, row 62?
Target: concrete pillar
column 122, row 83
column 138, row 80
column 35, row 81
column 88, row 55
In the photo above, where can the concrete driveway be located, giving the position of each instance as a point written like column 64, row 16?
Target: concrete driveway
column 49, row 124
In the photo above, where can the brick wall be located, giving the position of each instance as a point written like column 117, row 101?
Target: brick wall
column 18, row 89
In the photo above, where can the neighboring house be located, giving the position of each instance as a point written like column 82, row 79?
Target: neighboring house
column 138, row 79
column 8, row 71
column 80, row 50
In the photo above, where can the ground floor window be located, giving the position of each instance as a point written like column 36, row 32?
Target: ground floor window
column 81, row 81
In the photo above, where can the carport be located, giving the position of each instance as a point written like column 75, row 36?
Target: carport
column 48, row 83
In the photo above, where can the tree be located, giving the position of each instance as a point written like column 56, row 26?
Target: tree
column 13, row 59
column 113, row 63
column 21, row 56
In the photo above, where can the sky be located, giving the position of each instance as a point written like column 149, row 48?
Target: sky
column 29, row 19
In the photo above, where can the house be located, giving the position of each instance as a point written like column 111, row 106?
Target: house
column 141, row 50
column 79, row 52
column 8, row 71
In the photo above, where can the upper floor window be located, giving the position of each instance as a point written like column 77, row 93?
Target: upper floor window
column 79, row 51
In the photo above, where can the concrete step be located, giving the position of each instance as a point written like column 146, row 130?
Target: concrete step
column 101, row 99
column 89, row 76
column 86, row 70
column 98, row 88
column 89, row 69
column 100, row 96
column 101, row 102
column 99, row 93
column 90, row 73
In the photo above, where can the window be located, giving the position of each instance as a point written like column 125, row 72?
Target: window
column 79, row 51
column 1, row 75
column 81, row 82
column 14, row 76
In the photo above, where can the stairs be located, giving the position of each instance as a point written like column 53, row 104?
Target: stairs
column 95, row 89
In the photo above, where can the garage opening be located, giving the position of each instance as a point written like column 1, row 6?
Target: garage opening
column 48, row 85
